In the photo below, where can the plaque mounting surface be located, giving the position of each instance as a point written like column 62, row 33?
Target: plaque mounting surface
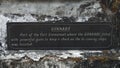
column 59, row 36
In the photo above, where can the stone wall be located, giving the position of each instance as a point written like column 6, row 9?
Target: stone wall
column 61, row 11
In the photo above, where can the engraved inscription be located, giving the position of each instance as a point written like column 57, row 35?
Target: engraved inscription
column 59, row 36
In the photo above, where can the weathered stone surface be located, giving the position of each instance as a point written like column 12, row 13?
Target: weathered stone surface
column 56, row 62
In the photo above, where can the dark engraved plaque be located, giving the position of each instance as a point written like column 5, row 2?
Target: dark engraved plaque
column 75, row 35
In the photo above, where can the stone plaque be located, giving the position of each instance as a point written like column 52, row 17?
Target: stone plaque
column 59, row 36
